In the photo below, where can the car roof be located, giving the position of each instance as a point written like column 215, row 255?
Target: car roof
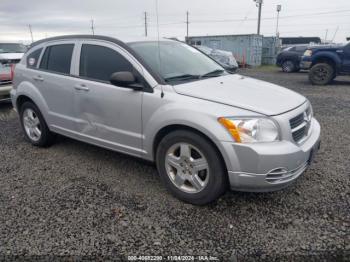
column 122, row 42
column 119, row 41
column 11, row 42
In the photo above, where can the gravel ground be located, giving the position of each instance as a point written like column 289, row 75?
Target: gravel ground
column 74, row 199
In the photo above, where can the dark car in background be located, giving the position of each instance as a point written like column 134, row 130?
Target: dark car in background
column 326, row 63
column 289, row 59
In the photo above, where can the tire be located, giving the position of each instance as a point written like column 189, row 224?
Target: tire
column 180, row 176
column 321, row 74
column 288, row 66
column 34, row 126
column 334, row 76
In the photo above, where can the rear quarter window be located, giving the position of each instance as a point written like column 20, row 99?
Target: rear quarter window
column 57, row 58
column 33, row 58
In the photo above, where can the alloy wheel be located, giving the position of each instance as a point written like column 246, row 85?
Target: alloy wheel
column 187, row 167
column 31, row 124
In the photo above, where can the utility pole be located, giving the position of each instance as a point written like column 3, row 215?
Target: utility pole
column 187, row 23
column 279, row 8
column 259, row 4
column 146, row 24
column 92, row 27
column 31, row 32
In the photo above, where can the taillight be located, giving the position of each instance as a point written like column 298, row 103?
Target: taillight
column 12, row 71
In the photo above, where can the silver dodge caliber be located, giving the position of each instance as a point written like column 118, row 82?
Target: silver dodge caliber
column 166, row 102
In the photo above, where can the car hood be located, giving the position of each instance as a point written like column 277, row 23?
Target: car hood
column 243, row 92
column 10, row 56
column 327, row 47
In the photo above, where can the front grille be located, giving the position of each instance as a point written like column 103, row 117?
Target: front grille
column 300, row 125
column 10, row 61
column 5, row 82
column 299, row 134
column 296, row 121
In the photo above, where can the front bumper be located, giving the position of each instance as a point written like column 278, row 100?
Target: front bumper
column 305, row 63
column 5, row 92
column 271, row 166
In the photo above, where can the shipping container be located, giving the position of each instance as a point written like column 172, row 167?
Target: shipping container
column 247, row 49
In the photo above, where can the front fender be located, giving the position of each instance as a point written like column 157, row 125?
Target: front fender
column 212, row 129
column 327, row 55
column 196, row 114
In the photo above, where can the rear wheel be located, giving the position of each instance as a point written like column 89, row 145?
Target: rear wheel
column 191, row 168
column 289, row 66
column 34, row 126
column 321, row 74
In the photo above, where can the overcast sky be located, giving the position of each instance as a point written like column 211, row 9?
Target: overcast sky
column 207, row 17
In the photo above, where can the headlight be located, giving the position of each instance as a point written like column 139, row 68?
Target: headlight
column 251, row 130
column 308, row 53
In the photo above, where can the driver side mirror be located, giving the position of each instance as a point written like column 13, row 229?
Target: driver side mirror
column 125, row 79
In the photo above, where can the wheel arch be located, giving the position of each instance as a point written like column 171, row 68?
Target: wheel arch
column 292, row 58
column 26, row 91
column 175, row 127
column 328, row 58
column 21, row 99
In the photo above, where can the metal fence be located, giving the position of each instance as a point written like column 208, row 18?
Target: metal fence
column 270, row 48
column 251, row 50
column 247, row 49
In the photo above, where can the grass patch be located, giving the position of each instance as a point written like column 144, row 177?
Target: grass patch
column 267, row 68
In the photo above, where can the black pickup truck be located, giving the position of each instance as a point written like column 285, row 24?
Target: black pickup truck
column 289, row 58
column 326, row 63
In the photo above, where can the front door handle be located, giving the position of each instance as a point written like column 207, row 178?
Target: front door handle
column 38, row 78
column 81, row 87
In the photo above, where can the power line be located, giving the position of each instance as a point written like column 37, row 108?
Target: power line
column 267, row 18
column 270, row 12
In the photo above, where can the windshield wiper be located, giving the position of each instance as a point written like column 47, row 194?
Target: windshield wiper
column 181, row 77
column 215, row 73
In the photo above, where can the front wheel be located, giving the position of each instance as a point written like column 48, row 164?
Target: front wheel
column 191, row 167
column 321, row 74
column 289, row 66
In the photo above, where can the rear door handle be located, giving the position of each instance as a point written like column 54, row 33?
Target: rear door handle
column 81, row 87
column 38, row 78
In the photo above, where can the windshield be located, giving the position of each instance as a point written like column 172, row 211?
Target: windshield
column 179, row 62
column 12, row 48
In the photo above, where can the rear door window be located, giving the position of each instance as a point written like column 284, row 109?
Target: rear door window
column 32, row 58
column 99, row 62
column 57, row 58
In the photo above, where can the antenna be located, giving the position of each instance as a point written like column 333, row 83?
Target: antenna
column 159, row 57
column 187, row 23
column 92, row 27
